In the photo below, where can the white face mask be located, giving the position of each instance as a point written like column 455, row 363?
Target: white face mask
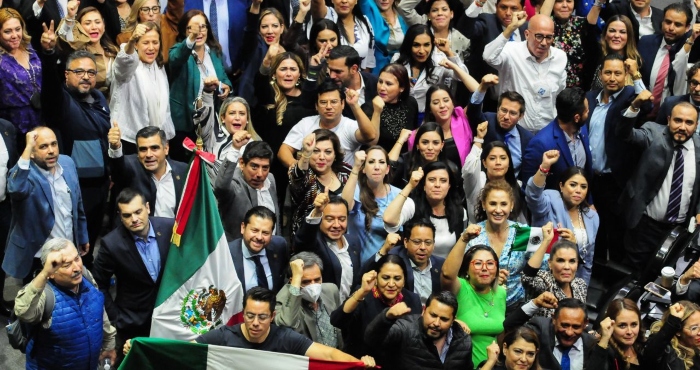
column 311, row 292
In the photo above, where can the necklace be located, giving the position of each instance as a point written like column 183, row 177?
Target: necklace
column 489, row 304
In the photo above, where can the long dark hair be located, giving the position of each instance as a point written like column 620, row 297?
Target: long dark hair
column 106, row 42
column 571, row 172
column 614, row 309
column 405, row 50
column 469, row 256
column 399, row 71
column 429, row 116
column 211, row 35
column 323, row 134
column 416, row 158
column 368, row 201
column 453, row 202
column 509, row 177
column 321, row 25
column 358, row 15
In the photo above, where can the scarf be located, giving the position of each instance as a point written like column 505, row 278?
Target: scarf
column 376, row 294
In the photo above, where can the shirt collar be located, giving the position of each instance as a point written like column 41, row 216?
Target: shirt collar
column 531, row 57
column 639, row 16
column 415, row 267
column 688, row 144
column 578, row 345
column 58, row 173
column 514, row 132
column 614, row 96
column 248, row 255
column 151, row 234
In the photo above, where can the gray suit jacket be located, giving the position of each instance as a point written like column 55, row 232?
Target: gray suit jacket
column 658, row 145
column 293, row 313
column 236, row 197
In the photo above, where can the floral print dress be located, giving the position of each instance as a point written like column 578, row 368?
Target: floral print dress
column 569, row 37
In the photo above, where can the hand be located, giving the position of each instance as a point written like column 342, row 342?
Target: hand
column 692, row 274
column 111, row 355
column 114, row 137
column 369, row 280
column 697, row 219
column 55, row 260
column 493, row 350
column 72, row 9
column 404, row 135
column 240, row 138
column 444, row 46
column 139, row 31
column 416, row 176
column 304, row 7
column 549, row 158
column 519, row 18
column 631, row 66
column 369, row 362
column 360, row 157
column 606, row 328
column 378, row 103
column 471, row 232
column 211, row 84
column 225, row 90
column 547, row 234
column 352, row 97
column 40, row 3
column 390, row 242
column 482, row 129
column 319, row 58
column 464, row 326
column 272, row 52
column 489, row 80
column 193, row 31
column 448, row 64
column 308, row 144
column 545, row 300
column 84, row 249
column 643, row 97
column 567, row 234
column 321, row 200
column 397, row 311
column 297, row 267
column 48, row 38
column 127, row 347
column 677, row 310
column 503, row 276
column 31, row 140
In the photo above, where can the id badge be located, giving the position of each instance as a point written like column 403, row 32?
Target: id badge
column 542, row 91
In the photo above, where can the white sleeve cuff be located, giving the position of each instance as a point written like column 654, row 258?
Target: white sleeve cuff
column 313, row 220
column 530, row 308
column 115, row 153
column 23, row 164
column 630, row 114
column 681, row 288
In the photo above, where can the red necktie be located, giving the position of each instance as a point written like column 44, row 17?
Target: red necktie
column 661, row 78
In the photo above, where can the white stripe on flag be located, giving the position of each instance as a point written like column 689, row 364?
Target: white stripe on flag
column 535, row 236
column 219, row 357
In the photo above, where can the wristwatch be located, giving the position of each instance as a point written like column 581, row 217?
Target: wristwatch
column 637, row 76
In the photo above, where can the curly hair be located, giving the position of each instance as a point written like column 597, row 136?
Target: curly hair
column 683, row 352
column 488, row 188
column 280, row 104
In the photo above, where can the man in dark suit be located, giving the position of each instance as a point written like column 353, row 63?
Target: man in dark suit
column 135, row 253
column 665, row 55
column 613, row 160
column 344, row 69
column 503, row 125
column 693, row 95
column 567, row 134
column 8, row 159
column 562, row 336
column 663, row 190
column 46, row 203
column 244, row 184
column 150, row 172
column 259, row 257
column 482, row 28
column 422, row 267
column 651, row 17
column 324, row 233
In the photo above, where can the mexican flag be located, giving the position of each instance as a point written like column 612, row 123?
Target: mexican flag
column 528, row 239
column 156, row 354
column 200, row 289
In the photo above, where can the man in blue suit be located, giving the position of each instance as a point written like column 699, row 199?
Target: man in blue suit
column 260, row 258
column 46, row 203
column 567, row 134
column 693, row 96
column 503, row 125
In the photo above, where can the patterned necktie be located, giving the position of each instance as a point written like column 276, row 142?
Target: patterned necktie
column 565, row 360
column 213, row 19
column 260, row 273
column 295, row 7
column 60, row 10
column 674, row 197
column 661, row 78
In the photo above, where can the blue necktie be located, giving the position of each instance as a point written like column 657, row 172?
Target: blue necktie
column 60, row 10
column 674, row 197
column 260, row 273
column 512, row 37
column 507, row 138
column 213, row 19
column 565, row 360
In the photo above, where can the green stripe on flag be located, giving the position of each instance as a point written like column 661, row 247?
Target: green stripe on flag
column 158, row 354
column 199, row 239
column 522, row 238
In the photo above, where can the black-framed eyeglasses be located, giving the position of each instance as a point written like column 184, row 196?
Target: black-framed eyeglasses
column 81, row 72
column 153, row 9
column 693, row 83
column 539, row 37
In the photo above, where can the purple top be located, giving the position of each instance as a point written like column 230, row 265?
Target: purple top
column 16, row 88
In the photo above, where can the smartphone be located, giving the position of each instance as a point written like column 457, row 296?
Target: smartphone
column 656, row 290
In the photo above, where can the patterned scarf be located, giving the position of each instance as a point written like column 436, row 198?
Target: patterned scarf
column 380, row 297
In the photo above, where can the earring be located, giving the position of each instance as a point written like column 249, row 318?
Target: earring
column 273, row 80
column 297, row 84
column 467, row 276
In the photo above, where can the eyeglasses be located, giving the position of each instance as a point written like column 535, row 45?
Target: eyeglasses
column 201, row 27
column 325, row 103
column 693, row 329
column 539, row 37
column 153, row 9
column 261, row 317
column 81, row 72
column 479, row 264
column 693, row 83
column 427, row 242
column 511, row 113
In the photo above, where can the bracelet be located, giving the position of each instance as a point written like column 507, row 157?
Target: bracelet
column 69, row 19
column 544, row 172
column 478, row 140
column 354, row 173
column 401, row 194
column 633, row 109
column 355, row 298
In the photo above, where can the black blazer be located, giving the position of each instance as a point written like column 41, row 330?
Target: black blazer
column 8, row 132
column 545, row 331
column 309, row 238
column 136, row 291
column 435, row 271
column 127, row 171
column 277, row 257
column 622, row 7
column 370, row 93
column 648, row 46
column 622, row 157
column 667, row 107
column 482, row 30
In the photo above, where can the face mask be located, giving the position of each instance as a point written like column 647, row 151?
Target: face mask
column 311, row 292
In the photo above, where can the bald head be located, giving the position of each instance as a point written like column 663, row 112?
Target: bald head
column 43, row 147
column 540, row 36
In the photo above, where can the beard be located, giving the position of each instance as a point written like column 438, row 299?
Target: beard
column 75, row 91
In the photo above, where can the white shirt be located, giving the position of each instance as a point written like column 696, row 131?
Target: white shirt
column 345, row 130
column 440, row 75
column 659, row 205
column 362, row 44
column 4, row 158
column 646, row 27
column 679, row 65
column 538, row 83
column 221, row 27
column 165, row 193
column 575, row 354
column 265, row 197
column 361, row 92
column 343, row 255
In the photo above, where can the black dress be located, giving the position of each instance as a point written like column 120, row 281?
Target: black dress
column 394, row 118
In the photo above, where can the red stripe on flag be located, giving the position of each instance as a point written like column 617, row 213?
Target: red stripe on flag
column 235, row 319
column 555, row 232
column 191, row 187
column 315, row 364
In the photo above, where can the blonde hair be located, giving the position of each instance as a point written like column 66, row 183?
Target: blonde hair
column 683, row 352
column 280, row 104
column 8, row 13
column 249, row 125
column 133, row 18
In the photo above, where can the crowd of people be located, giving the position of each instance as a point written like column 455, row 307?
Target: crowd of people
column 377, row 163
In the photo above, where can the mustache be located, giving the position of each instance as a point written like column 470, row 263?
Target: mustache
column 76, row 274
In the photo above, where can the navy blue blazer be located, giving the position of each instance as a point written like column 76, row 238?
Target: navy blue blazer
column 401, row 251
column 136, row 290
column 648, row 46
column 622, row 157
column 33, row 217
column 277, row 257
column 370, row 93
column 667, row 107
column 553, row 137
column 622, row 7
column 309, row 238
